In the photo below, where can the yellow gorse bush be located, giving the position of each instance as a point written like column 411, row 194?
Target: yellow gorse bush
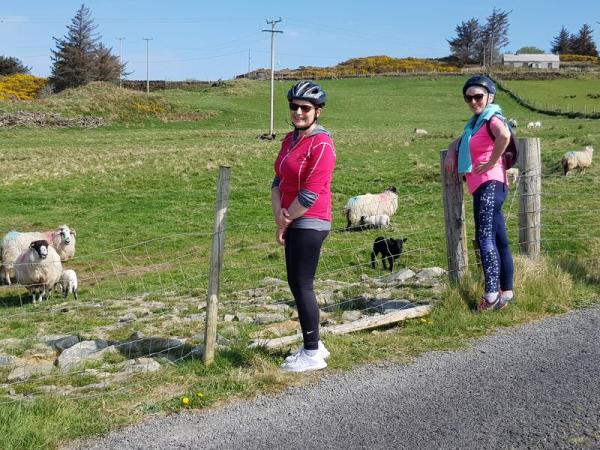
column 20, row 86
column 579, row 58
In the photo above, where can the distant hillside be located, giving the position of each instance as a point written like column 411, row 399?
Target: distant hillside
column 370, row 65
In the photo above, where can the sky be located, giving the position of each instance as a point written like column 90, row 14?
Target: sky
column 211, row 40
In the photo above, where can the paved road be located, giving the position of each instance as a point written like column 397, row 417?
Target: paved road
column 531, row 387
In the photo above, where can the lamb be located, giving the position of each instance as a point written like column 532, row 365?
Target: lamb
column 15, row 243
column 580, row 160
column 377, row 221
column 38, row 269
column 513, row 174
column 370, row 205
column 531, row 125
column 420, row 131
column 537, row 124
column 390, row 250
column 68, row 282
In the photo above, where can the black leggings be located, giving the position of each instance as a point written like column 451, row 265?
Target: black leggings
column 302, row 250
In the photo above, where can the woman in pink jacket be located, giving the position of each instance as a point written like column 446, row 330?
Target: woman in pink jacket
column 301, row 202
column 478, row 156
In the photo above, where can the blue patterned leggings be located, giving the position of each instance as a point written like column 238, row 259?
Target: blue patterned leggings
column 490, row 233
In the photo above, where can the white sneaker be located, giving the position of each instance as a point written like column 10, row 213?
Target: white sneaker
column 323, row 352
column 303, row 363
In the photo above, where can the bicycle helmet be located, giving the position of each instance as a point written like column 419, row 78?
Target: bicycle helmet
column 309, row 91
column 480, row 80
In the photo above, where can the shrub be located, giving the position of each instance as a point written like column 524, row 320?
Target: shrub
column 20, row 86
column 579, row 58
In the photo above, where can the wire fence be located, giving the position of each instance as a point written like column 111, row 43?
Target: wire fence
column 147, row 298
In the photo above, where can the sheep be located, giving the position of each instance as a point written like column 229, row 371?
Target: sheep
column 531, row 125
column 420, row 131
column 580, row 160
column 377, row 221
column 537, row 124
column 370, row 205
column 513, row 174
column 513, row 123
column 68, row 282
column 15, row 242
column 38, row 269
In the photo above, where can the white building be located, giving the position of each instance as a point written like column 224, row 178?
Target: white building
column 536, row 61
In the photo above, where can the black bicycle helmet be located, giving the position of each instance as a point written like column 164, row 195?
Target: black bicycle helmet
column 480, row 80
column 309, row 91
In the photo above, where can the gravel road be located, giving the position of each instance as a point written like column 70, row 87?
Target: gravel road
column 536, row 386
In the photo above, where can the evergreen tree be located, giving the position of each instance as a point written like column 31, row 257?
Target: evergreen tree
column 494, row 36
column 464, row 45
column 583, row 43
column 80, row 57
column 561, row 43
column 10, row 65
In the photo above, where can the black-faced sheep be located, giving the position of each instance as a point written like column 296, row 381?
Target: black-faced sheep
column 38, row 269
column 378, row 221
column 389, row 248
column 370, row 205
column 15, row 243
column 577, row 160
column 68, row 282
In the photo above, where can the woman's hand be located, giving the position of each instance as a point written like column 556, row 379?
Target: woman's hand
column 484, row 167
column 283, row 218
column 280, row 236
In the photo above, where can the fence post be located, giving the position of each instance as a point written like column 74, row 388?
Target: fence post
column 454, row 217
column 216, row 261
column 530, row 189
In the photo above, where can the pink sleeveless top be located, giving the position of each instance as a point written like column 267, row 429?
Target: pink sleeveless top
column 481, row 147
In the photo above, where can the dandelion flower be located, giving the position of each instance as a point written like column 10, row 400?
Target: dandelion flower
column 185, row 401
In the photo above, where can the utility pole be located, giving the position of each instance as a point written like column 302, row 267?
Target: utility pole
column 121, row 39
column 271, row 134
column 249, row 59
column 147, row 77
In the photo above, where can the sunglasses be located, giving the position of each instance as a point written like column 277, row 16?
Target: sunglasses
column 476, row 97
column 303, row 108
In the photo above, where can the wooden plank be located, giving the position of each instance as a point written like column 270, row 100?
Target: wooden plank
column 365, row 323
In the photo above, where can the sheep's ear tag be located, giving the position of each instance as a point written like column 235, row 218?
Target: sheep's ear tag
column 32, row 245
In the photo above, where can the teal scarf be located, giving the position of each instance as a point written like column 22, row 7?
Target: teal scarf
column 474, row 124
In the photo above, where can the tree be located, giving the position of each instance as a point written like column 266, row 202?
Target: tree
column 494, row 36
column 10, row 65
column 464, row 45
column 561, row 44
column 529, row 51
column 583, row 43
column 80, row 57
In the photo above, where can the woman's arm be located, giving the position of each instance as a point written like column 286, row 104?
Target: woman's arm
column 502, row 135
column 451, row 155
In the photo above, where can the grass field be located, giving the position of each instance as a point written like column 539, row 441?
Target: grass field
column 140, row 193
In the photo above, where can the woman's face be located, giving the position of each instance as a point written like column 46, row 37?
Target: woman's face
column 303, row 113
column 477, row 98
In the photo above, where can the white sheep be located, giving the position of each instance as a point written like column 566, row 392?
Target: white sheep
column 370, row 205
column 68, row 282
column 420, row 131
column 377, row 221
column 38, row 269
column 15, row 243
column 537, row 124
column 580, row 160
column 513, row 174
column 531, row 125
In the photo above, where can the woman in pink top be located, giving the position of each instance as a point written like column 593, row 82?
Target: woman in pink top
column 301, row 203
column 478, row 156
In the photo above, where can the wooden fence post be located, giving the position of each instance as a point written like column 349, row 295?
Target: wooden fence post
column 454, row 217
column 216, row 261
column 530, row 189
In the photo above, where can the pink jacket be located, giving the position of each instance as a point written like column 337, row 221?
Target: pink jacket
column 307, row 165
column 481, row 147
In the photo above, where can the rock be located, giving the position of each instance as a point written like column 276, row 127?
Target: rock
column 202, row 305
column 229, row 318
column 23, row 373
column 364, row 278
column 61, row 342
column 136, row 335
column 386, row 306
column 140, row 365
column 195, row 318
column 170, row 348
column 79, row 353
column 400, row 276
column 129, row 317
column 383, row 294
column 269, row 281
column 280, row 307
column 7, row 360
column 431, row 272
column 324, row 298
column 266, row 318
column 153, row 306
column 10, row 343
column 39, row 352
column 277, row 330
column 140, row 312
column 351, row 316
column 243, row 318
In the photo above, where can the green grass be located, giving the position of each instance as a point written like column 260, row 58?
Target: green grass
column 140, row 194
